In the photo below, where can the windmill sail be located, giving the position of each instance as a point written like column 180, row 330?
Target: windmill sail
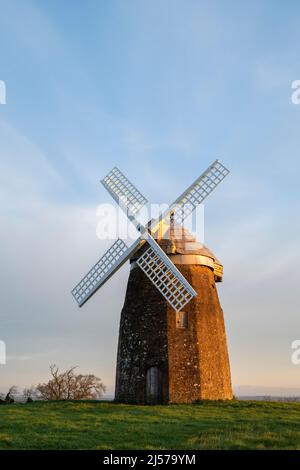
column 122, row 190
column 194, row 194
column 154, row 262
column 107, row 265
column 165, row 276
column 198, row 191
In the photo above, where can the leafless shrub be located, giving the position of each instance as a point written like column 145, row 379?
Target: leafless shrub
column 30, row 394
column 70, row 386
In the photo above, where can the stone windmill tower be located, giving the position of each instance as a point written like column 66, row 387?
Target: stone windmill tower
column 172, row 342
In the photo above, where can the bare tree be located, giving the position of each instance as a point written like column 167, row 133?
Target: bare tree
column 29, row 394
column 70, row 386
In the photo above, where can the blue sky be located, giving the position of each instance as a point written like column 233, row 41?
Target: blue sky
column 161, row 89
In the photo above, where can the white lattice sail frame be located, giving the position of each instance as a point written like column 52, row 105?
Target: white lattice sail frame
column 194, row 195
column 153, row 262
column 122, row 190
column 107, row 265
column 199, row 190
column 165, row 276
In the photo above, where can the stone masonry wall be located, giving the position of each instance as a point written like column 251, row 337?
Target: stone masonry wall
column 194, row 362
column 142, row 339
column 198, row 358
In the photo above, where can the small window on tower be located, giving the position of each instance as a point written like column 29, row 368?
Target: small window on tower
column 181, row 320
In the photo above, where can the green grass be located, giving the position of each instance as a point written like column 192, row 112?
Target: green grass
column 104, row 425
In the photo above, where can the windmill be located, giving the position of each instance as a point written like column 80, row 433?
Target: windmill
column 172, row 342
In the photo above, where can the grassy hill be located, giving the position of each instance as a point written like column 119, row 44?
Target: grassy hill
column 105, row 425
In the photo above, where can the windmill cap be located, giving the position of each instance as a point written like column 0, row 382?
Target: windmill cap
column 178, row 240
column 183, row 248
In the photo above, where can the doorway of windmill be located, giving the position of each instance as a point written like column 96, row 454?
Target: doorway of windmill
column 153, row 386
